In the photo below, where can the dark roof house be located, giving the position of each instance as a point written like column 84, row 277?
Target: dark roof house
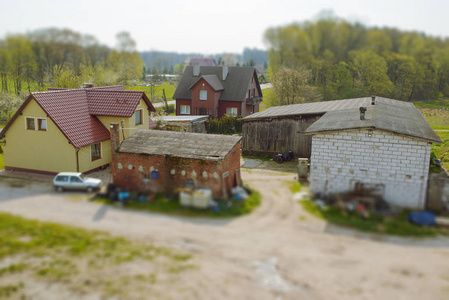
column 217, row 91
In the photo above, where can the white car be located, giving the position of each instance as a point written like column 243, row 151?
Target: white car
column 75, row 181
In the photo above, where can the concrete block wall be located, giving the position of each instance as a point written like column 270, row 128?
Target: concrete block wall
column 341, row 159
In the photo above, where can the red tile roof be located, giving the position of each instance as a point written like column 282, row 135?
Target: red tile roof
column 113, row 103
column 74, row 111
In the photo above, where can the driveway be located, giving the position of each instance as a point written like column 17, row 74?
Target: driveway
column 277, row 252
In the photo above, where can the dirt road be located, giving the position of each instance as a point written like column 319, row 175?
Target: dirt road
column 269, row 254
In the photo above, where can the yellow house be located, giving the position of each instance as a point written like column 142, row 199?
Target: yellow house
column 68, row 130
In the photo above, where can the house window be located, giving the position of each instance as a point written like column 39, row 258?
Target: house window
column 184, row 110
column 30, row 123
column 138, row 117
column 203, row 111
column 247, row 95
column 42, row 124
column 253, row 93
column 203, row 95
column 231, row 111
column 95, row 151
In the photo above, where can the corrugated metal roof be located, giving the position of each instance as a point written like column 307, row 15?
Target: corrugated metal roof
column 234, row 87
column 179, row 144
column 321, row 107
column 404, row 120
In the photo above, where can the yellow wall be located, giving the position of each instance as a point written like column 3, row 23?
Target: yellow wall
column 129, row 123
column 50, row 150
column 38, row 150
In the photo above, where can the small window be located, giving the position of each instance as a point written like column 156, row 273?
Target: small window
column 42, row 124
column 138, row 117
column 203, row 111
column 203, row 95
column 231, row 111
column 184, row 110
column 95, row 151
column 30, row 124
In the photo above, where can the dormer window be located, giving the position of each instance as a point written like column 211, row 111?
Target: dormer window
column 203, row 95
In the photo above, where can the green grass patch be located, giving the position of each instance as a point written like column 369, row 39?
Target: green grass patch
column 442, row 151
column 15, row 268
column 294, row 186
column 375, row 224
column 167, row 86
column 225, row 208
column 2, row 161
column 438, row 119
column 436, row 103
column 8, row 290
column 257, row 155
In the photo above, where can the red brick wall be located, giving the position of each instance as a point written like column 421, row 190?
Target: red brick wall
column 208, row 104
column 224, row 104
column 180, row 102
column 132, row 177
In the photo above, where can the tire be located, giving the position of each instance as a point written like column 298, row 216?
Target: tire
column 287, row 158
column 279, row 159
column 90, row 189
column 59, row 189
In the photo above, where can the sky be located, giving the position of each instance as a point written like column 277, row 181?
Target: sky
column 207, row 26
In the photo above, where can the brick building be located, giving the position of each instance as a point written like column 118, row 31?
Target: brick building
column 383, row 144
column 163, row 161
column 218, row 91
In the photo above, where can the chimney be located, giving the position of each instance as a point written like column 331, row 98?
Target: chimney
column 373, row 100
column 115, row 138
column 196, row 70
column 225, row 72
column 88, row 85
column 362, row 113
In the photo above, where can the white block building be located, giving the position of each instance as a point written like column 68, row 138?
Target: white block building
column 383, row 144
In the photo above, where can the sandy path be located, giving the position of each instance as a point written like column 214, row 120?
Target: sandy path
column 270, row 254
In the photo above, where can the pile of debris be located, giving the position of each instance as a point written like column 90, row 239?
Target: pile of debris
column 365, row 199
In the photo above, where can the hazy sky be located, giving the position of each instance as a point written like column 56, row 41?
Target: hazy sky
column 208, row 26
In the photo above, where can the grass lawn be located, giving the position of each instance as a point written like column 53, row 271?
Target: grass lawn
column 80, row 260
column 167, row 86
column 438, row 103
column 230, row 208
column 375, row 224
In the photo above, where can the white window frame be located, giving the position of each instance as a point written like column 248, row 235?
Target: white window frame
column 203, row 95
column 141, row 117
column 26, row 123
column 101, row 150
column 231, row 112
column 46, row 124
column 185, row 112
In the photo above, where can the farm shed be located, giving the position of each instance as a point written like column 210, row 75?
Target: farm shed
column 163, row 161
column 386, row 145
column 279, row 129
column 196, row 124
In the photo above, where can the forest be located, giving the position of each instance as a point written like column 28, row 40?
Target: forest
column 346, row 60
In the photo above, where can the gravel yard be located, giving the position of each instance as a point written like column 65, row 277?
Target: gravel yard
column 276, row 252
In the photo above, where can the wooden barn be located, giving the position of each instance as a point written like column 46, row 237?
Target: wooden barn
column 280, row 129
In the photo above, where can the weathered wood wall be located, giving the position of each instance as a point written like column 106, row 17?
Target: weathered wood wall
column 278, row 135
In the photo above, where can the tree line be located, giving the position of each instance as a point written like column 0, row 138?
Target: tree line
column 64, row 58
column 342, row 60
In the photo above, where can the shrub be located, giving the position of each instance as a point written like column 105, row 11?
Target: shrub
column 225, row 125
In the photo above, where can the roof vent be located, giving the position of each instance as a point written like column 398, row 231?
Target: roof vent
column 225, row 72
column 88, row 85
column 373, row 100
column 362, row 113
column 196, row 70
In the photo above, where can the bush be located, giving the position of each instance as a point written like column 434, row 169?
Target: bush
column 225, row 125
column 171, row 109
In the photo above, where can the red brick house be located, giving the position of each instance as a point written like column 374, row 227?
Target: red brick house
column 163, row 161
column 218, row 91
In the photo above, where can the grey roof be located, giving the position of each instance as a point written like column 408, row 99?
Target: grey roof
column 234, row 87
column 179, row 144
column 213, row 81
column 404, row 120
column 321, row 107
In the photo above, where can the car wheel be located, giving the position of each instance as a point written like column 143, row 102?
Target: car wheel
column 90, row 189
column 279, row 159
column 59, row 189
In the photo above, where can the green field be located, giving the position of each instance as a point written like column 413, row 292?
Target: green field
column 167, row 86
